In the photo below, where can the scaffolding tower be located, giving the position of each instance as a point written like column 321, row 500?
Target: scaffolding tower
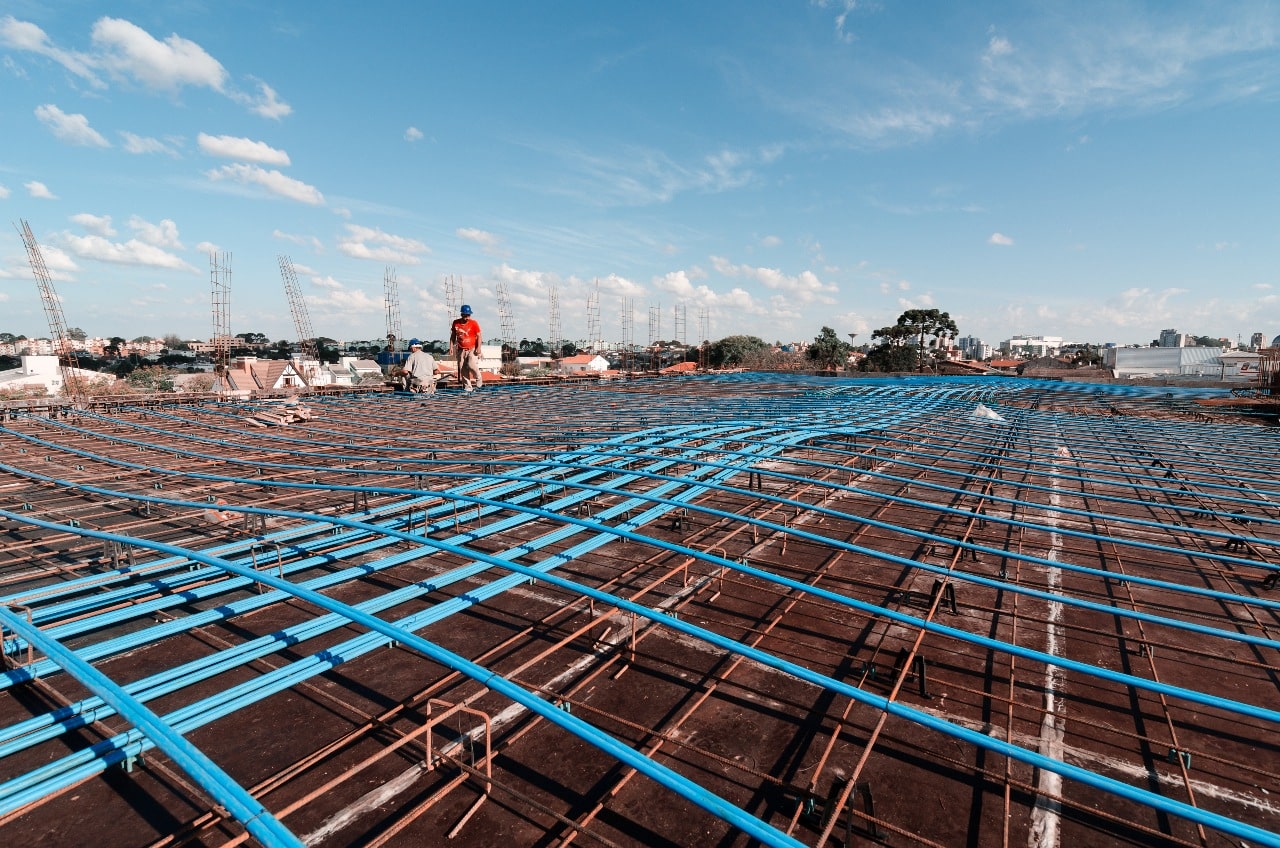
column 220, row 290
column 628, row 334
column 62, row 346
column 704, row 336
column 594, row 343
column 298, row 308
column 391, row 297
column 655, row 336
column 553, row 328
column 508, row 323
column 678, row 332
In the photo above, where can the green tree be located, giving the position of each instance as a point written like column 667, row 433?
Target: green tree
column 828, row 352
column 735, row 351
column 918, row 325
column 889, row 358
column 151, row 378
column 77, row 334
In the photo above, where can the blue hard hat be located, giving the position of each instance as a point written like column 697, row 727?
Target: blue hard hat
column 414, row 343
column 466, row 310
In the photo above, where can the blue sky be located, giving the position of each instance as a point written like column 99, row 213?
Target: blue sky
column 1098, row 171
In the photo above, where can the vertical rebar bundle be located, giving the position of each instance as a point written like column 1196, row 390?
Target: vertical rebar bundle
column 220, row 291
column 452, row 295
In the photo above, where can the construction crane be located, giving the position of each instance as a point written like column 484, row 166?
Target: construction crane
column 220, row 292
column 298, row 307
column 508, row 324
column 391, row 297
column 62, row 347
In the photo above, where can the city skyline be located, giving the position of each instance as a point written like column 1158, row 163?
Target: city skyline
column 1098, row 171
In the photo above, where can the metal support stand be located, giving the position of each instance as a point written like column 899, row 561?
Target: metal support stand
column 918, row 667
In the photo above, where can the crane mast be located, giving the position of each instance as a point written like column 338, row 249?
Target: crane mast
column 62, row 347
column 298, row 308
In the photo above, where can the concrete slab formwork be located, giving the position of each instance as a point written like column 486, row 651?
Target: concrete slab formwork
column 729, row 611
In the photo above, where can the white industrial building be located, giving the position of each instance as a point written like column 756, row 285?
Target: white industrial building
column 42, row 371
column 1210, row 363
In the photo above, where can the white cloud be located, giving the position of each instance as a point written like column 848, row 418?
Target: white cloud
column 164, row 234
column 96, row 224
column 207, row 247
column 1133, row 307
column 804, row 287
column 267, row 103
column 770, row 241
column 127, row 52
column 307, row 241
column 1000, row 239
column 341, row 304
column 736, row 300
column 372, row 243
column 73, row 129
column 132, row 252
column 273, row 181
column 1119, row 58
column 325, row 282
column 489, row 243
column 922, row 301
column 4, row 192
column 39, row 190
column 23, row 35
column 998, row 46
column 59, row 263
column 243, row 149
column 130, row 51
column 413, row 134
column 138, row 144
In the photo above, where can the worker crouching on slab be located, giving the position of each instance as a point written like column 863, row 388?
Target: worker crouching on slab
column 419, row 369
column 464, row 338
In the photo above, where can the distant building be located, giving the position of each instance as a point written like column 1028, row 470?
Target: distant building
column 584, row 363
column 1191, row 362
column 1032, row 346
column 1172, row 338
column 972, row 347
column 248, row 373
column 1257, row 340
column 42, row 371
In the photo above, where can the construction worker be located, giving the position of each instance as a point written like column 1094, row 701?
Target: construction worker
column 464, row 338
column 419, row 369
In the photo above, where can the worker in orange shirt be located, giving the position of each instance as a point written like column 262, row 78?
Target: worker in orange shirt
column 464, row 338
